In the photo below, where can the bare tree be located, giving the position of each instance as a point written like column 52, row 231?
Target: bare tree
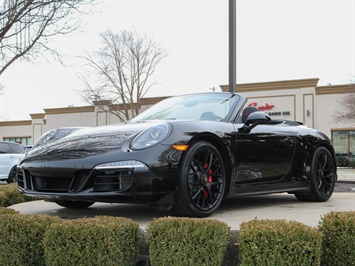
column 347, row 114
column 120, row 71
column 26, row 26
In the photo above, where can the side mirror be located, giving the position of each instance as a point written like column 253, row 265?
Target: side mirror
column 254, row 119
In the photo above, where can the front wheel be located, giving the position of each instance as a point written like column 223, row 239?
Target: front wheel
column 71, row 204
column 323, row 177
column 201, row 182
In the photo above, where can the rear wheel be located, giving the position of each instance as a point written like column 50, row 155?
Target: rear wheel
column 12, row 175
column 71, row 204
column 201, row 181
column 323, row 177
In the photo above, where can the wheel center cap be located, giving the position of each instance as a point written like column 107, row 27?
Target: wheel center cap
column 204, row 178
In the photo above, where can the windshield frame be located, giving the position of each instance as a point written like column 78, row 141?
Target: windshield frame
column 152, row 113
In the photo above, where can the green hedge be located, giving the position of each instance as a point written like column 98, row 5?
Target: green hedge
column 47, row 240
column 187, row 241
column 10, row 195
column 172, row 241
column 21, row 238
column 279, row 242
column 338, row 230
column 4, row 210
column 102, row 240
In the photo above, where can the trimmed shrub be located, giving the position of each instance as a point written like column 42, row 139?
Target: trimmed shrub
column 10, row 195
column 187, row 241
column 21, row 238
column 4, row 210
column 101, row 240
column 279, row 242
column 338, row 230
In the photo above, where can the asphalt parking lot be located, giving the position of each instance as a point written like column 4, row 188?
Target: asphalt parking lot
column 232, row 211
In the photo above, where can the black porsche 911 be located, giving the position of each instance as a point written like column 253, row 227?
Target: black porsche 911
column 187, row 152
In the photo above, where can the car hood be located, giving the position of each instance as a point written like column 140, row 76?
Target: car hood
column 86, row 142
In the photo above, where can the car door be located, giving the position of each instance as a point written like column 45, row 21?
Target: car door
column 10, row 154
column 264, row 154
column 5, row 160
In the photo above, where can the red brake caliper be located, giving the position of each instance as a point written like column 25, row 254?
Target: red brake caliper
column 209, row 179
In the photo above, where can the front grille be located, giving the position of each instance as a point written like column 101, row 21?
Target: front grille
column 102, row 180
column 113, row 180
column 49, row 183
column 20, row 179
column 24, row 180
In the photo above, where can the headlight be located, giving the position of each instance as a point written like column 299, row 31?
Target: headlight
column 46, row 137
column 150, row 137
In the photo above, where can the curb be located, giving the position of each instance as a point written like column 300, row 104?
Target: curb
column 346, row 181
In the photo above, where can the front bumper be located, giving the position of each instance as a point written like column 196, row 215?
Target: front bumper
column 125, row 181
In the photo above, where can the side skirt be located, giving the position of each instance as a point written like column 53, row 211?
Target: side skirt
column 269, row 188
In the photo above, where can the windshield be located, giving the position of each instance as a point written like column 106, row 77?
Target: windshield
column 203, row 106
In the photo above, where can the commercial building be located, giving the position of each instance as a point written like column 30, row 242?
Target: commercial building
column 301, row 100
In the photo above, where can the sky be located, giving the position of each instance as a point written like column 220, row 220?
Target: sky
column 276, row 40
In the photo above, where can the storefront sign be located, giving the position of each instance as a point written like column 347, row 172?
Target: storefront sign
column 268, row 107
column 265, row 107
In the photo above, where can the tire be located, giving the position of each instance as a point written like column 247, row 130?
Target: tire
column 12, row 175
column 201, row 182
column 71, row 204
column 323, row 177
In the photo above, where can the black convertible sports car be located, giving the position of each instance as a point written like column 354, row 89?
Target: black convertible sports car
column 187, row 152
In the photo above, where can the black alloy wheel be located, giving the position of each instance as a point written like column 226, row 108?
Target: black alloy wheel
column 202, row 181
column 323, row 177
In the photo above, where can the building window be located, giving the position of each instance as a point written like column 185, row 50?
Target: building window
column 21, row 140
column 344, row 146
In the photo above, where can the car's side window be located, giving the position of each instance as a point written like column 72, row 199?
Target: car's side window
column 17, row 148
column 5, row 148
